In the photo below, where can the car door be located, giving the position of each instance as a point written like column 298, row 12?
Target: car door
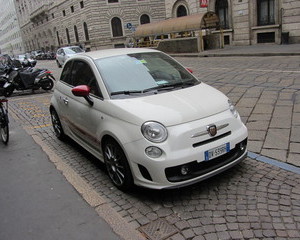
column 82, row 116
column 61, row 93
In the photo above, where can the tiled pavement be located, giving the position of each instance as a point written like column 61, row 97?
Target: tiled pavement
column 254, row 200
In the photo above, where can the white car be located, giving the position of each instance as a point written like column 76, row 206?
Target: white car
column 62, row 54
column 147, row 118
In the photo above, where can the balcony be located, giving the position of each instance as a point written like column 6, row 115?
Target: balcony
column 40, row 13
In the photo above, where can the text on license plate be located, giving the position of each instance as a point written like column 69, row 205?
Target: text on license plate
column 216, row 152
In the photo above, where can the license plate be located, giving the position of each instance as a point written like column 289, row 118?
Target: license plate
column 216, row 152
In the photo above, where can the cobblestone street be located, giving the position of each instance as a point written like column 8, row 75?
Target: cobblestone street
column 252, row 200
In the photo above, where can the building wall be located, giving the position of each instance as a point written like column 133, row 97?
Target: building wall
column 10, row 34
column 41, row 29
column 242, row 16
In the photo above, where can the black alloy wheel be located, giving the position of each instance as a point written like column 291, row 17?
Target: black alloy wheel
column 58, row 130
column 117, row 165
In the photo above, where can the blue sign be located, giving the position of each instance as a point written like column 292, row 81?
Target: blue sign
column 129, row 25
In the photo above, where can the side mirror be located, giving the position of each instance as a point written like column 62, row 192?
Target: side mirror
column 83, row 91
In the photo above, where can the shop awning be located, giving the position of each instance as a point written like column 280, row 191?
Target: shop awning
column 182, row 24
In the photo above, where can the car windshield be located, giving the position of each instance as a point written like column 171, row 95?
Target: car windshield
column 143, row 73
column 73, row 50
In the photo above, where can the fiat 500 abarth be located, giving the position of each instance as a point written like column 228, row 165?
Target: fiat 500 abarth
column 147, row 118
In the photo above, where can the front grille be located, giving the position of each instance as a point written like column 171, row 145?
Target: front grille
column 212, row 139
column 196, row 169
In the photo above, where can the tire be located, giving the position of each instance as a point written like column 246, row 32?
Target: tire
column 57, row 127
column 8, row 91
column 46, row 84
column 117, row 165
column 58, row 64
column 4, row 128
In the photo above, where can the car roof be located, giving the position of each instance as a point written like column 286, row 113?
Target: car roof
column 114, row 52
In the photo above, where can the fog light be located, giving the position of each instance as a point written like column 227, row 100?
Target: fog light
column 185, row 170
column 242, row 146
column 153, row 152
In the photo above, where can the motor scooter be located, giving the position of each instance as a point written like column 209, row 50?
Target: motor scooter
column 30, row 78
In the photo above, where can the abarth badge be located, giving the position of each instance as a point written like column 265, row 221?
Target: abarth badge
column 212, row 130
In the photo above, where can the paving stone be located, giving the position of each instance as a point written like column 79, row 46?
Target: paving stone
column 277, row 139
column 294, row 159
column 275, row 154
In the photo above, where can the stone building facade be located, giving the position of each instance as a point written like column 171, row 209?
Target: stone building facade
column 247, row 22
column 93, row 24
column 10, row 35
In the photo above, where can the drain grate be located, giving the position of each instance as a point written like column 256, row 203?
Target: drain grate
column 158, row 230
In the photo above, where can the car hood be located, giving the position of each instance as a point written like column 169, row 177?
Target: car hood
column 171, row 108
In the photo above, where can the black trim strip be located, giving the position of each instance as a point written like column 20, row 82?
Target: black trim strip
column 211, row 139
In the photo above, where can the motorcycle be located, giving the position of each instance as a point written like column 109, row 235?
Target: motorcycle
column 17, row 78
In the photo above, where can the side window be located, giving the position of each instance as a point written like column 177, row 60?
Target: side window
column 66, row 73
column 82, row 74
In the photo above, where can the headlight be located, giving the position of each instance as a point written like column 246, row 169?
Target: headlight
column 233, row 109
column 154, row 132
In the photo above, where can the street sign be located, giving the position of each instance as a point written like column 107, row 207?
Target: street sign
column 129, row 25
column 203, row 3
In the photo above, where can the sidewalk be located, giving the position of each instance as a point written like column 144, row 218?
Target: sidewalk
column 252, row 50
column 36, row 201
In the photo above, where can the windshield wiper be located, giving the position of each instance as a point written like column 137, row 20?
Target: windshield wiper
column 126, row 92
column 171, row 86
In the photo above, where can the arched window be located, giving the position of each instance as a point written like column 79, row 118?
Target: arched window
column 68, row 36
column 86, row 32
column 145, row 19
column 265, row 12
column 181, row 11
column 76, row 34
column 116, row 26
column 222, row 11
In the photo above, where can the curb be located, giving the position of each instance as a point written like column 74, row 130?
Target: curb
column 200, row 55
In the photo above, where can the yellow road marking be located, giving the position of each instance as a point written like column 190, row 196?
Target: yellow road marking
column 41, row 126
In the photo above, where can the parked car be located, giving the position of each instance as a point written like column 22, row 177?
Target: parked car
column 26, row 61
column 64, row 53
column 147, row 118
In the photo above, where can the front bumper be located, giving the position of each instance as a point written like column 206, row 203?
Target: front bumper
column 182, row 149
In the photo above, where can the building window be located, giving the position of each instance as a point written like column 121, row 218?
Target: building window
column 68, row 36
column 222, row 12
column 72, row 9
column 64, row 13
column 181, row 11
column 81, row 4
column 86, row 31
column 116, row 26
column 76, row 34
column 52, row 15
column 265, row 12
column 113, row 1
column 58, row 40
column 145, row 19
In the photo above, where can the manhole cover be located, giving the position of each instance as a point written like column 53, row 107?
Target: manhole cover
column 158, row 230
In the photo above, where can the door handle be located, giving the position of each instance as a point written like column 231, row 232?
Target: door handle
column 66, row 101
